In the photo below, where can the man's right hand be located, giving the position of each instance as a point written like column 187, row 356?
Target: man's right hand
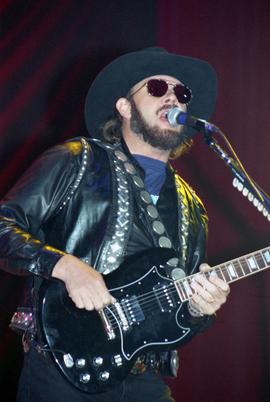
column 84, row 284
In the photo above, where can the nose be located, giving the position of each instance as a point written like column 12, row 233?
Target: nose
column 170, row 94
column 170, row 97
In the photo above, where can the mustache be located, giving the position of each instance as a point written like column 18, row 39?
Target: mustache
column 165, row 108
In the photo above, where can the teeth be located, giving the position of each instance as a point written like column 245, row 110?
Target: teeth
column 165, row 114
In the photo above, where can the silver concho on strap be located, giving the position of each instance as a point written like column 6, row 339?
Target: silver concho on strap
column 112, row 253
column 159, row 234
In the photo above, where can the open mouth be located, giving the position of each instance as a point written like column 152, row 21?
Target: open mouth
column 163, row 115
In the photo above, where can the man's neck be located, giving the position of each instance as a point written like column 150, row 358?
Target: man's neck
column 138, row 146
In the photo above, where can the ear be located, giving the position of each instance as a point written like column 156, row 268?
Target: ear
column 123, row 107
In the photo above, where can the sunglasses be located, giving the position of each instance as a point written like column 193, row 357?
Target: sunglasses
column 159, row 87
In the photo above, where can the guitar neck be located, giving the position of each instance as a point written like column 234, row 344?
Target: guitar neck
column 230, row 271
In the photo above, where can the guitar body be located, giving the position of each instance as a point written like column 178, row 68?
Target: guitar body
column 96, row 350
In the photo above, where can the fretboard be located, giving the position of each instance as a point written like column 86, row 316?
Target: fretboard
column 230, row 271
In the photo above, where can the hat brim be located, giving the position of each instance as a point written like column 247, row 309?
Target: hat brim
column 118, row 77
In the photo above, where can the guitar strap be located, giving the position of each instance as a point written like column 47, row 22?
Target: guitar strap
column 126, row 180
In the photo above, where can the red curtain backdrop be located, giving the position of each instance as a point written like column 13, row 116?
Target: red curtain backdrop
column 51, row 51
column 230, row 362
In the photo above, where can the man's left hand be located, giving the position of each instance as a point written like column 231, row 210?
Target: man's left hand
column 210, row 293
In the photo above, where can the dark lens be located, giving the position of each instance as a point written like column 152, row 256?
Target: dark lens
column 182, row 93
column 157, row 88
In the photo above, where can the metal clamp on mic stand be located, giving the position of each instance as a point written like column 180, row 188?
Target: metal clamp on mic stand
column 242, row 181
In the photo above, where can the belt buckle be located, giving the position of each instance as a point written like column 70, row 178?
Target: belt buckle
column 139, row 366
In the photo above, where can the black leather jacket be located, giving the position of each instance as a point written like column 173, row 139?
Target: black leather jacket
column 62, row 205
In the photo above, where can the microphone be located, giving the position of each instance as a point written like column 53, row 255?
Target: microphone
column 176, row 116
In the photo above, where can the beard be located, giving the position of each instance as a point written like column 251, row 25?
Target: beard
column 163, row 139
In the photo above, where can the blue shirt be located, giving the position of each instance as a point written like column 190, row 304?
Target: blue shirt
column 155, row 173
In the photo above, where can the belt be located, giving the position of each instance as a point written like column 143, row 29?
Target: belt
column 22, row 320
column 166, row 363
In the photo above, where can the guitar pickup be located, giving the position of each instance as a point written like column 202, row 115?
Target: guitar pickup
column 164, row 297
column 133, row 310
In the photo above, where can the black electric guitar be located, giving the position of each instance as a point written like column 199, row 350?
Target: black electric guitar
column 96, row 350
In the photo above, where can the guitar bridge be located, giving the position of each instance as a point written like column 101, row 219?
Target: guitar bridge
column 125, row 313
column 122, row 318
column 108, row 317
column 107, row 325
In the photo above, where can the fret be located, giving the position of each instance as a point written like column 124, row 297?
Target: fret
column 228, row 272
column 183, row 288
column 239, row 269
column 231, row 271
column 225, row 273
column 252, row 263
column 187, row 288
column 266, row 256
column 244, row 266
column 180, row 291
column 260, row 261
column 219, row 272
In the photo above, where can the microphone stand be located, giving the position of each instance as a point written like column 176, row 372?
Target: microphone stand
column 241, row 180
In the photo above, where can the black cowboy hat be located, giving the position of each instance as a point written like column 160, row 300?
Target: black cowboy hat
column 118, row 77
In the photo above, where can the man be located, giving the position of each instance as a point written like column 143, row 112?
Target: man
column 87, row 206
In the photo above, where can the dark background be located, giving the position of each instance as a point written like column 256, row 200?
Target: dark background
column 50, row 53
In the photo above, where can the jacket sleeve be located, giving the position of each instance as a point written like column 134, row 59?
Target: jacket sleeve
column 35, row 198
column 197, row 254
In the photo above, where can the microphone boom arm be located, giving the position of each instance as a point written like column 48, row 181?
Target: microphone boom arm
column 241, row 181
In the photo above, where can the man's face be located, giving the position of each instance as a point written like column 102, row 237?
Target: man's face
column 148, row 115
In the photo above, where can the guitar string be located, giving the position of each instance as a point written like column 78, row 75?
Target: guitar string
column 147, row 307
column 146, row 297
column 240, row 271
column 159, row 295
column 152, row 294
column 221, row 268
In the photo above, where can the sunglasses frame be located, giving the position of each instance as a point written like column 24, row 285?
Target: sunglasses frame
column 168, row 83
